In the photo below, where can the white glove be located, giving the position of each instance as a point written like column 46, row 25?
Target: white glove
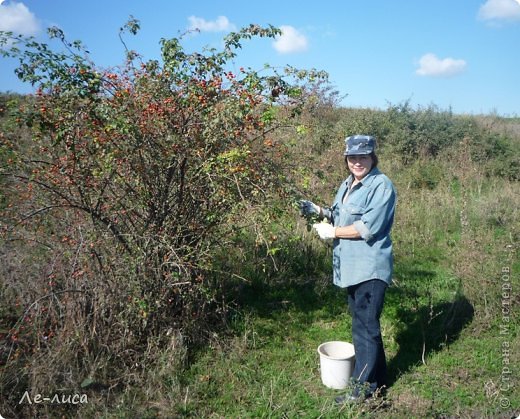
column 325, row 231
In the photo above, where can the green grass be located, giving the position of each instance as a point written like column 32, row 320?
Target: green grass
column 270, row 369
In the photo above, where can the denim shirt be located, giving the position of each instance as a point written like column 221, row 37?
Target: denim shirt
column 370, row 207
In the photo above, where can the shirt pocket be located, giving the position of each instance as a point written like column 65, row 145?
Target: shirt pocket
column 353, row 213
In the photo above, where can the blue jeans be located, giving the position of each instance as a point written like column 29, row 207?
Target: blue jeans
column 365, row 301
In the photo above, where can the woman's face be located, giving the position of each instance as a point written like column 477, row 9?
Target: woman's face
column 359, row 166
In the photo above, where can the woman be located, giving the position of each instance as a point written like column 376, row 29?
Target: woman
column 361, row 218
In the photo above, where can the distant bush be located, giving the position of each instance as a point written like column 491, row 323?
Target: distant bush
column 410, row 135
column 7, row 99
column 425, row 175
column 497, row 155
column 423, row 132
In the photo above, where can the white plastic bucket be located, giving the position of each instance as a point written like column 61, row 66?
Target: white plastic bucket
column 336, row 363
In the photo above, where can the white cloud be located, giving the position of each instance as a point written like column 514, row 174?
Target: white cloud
column 16, row 17
column 497, row 10
column 290, row 41
column 221, row 24
column 431, row 65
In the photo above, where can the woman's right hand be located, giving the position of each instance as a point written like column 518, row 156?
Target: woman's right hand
column 309, row 208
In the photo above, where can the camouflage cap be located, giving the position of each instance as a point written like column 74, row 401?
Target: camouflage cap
column 359, row 145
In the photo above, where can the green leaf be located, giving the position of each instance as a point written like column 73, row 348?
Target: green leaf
column 87, row 382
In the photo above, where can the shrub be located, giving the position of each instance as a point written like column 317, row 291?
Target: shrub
column 130, row 175
column 424, row 132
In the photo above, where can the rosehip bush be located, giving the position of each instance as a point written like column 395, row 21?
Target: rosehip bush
column 130, row 178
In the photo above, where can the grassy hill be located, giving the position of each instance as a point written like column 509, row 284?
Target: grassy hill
column 450, row 323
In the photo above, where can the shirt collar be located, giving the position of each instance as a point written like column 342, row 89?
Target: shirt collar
column 367, row 180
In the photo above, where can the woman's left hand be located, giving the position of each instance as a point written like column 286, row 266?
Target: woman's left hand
column 325, row 231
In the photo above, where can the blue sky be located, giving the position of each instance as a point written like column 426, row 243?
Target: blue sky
column 461, row 54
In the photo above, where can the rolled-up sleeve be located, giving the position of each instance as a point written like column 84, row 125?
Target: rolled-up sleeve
column 378, row 217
